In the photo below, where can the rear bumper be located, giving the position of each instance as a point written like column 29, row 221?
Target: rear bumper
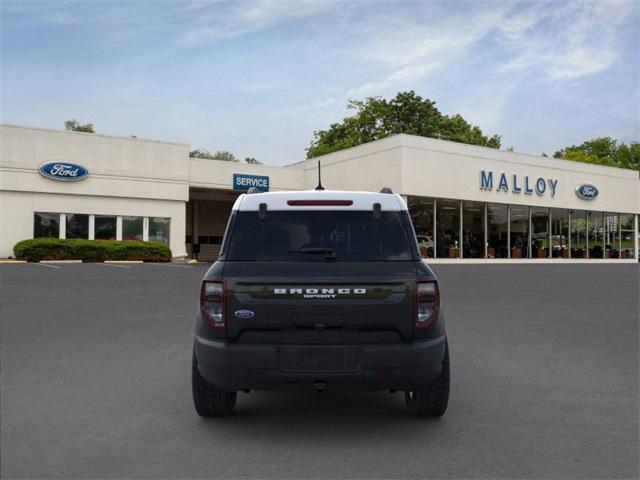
column 232, row 367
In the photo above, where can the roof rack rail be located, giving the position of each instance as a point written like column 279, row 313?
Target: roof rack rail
column 386, row 190
column 253, row 190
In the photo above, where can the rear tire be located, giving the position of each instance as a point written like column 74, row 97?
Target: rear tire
column 432, row 400
column 209, row 400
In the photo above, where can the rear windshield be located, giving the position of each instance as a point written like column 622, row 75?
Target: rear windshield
column 305, row 235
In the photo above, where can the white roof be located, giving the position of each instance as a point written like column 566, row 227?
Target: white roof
column 359, row 200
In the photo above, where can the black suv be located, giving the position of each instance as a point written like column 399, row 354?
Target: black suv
column 320, row 290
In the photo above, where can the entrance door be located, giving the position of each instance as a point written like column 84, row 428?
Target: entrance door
column 207, row 215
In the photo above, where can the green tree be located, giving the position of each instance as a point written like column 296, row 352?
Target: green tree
column 201, row 153
column 219, row 155
column 74, row 126
column 225, row 156
column 604, row 151
column 377, row 118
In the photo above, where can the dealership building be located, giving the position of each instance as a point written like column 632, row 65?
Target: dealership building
column 468, row 203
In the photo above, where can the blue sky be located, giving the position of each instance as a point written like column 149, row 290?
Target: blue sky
column 258, row 77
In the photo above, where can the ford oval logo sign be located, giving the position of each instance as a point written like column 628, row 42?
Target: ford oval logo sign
column 244, row 314
column 63, row 171
column 586, row 191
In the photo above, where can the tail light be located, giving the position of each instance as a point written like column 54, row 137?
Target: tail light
column 212, row 303
column 427, row 303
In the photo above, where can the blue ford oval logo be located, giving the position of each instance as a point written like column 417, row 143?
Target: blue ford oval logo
column 586, row 191
column 244, row 314
column 64, row 171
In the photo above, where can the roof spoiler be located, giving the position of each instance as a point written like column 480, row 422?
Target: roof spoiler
column 386, row 190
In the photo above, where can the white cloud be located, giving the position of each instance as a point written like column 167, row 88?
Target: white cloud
column 564, row 41
column 250, row 16
column 558, row 39
column 481, row 59
column 400, row 79
column 408, row 38
column 258, row 87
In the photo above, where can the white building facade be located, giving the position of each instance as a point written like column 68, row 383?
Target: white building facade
column 468, row 203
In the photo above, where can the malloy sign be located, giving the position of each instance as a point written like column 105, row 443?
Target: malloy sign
column 515, row 183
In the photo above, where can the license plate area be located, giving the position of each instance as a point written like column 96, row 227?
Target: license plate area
column 318, row 358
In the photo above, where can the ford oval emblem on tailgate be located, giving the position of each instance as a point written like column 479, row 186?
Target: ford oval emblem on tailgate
column 244, row 314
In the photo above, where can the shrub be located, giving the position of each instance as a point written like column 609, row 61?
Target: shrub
column 36, row 249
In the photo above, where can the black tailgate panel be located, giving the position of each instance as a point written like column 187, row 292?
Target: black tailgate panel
column 319, row 302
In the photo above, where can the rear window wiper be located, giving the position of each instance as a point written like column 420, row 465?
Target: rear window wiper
column 330, row 253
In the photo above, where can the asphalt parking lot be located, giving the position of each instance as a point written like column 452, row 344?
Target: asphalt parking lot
column 95, row 377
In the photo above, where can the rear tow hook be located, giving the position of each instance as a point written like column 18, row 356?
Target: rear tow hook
column 319, row 386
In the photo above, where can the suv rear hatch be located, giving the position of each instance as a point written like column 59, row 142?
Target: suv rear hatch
column 319, row 303
column 316, row 276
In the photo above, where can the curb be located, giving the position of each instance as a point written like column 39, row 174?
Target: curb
column 60, row 261
column 123, row 261
column 8, row 262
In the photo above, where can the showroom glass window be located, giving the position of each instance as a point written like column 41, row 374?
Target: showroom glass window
column 132, row 228
column 448, row 228
column 77, row 226
column 421, row 211
column 472, row 230
column 105, row 227
column 611, row 235
column 539, row 232
column 626, row 235
column 596, row 235
column 159, row 229
column 46, row 225
column 578, row 234
column 497, row 230
column 519, row 231
column 559, row 233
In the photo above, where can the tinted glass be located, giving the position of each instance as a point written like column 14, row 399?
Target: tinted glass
column 132, row 228
column 159, row 229
column 472, row 230
column 77, row 226
column 578, row 234
column 421, row 211
column 519, row 232
column 105, row 227
column 626, row 235
column 497, row 229
column 539, row 232
column 46, row 225
column 611, row 235
column 596, row 235
column 559, row 233
column 320, row 235
column 448, row 228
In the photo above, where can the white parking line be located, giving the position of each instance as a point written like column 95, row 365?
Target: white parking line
column 112, row 265
column 46, row 265
column 170, row 265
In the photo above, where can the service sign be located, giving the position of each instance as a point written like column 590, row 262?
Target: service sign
column 63, row 171
column 586, row 191
column 245, row 182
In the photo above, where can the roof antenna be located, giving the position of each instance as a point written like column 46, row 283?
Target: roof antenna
column 319, row 187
